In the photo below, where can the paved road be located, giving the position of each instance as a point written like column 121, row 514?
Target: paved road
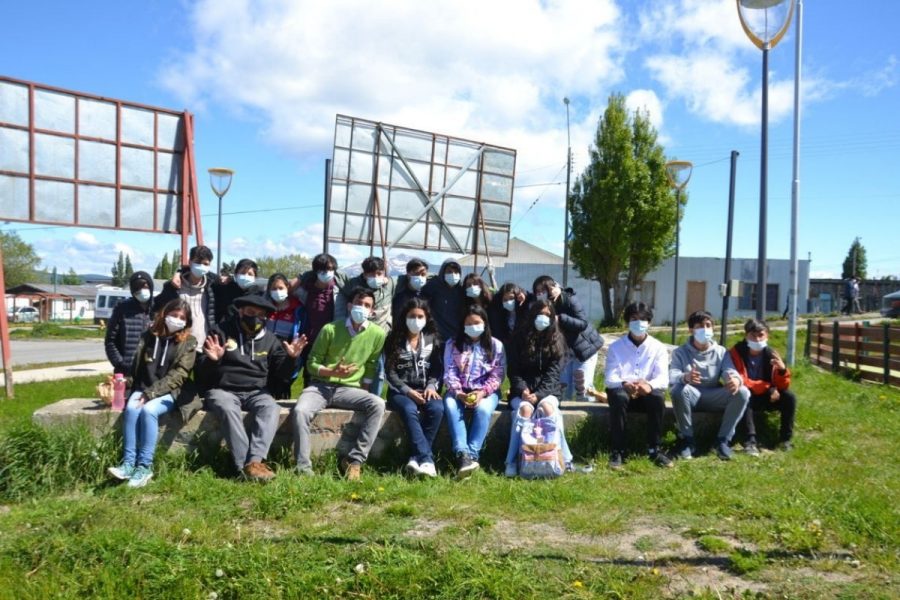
column 26, row 352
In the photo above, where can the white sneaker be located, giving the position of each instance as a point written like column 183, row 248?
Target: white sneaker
column 427, row 469
column 413, row 467
column 141, row 477
column 512, row 470
column 123, row 472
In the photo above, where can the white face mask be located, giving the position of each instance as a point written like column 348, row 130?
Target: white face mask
column 417, row 282
column 174, row 324
column 474, row 331
column 452, row 278
column 638, row 328
column 473, row 291
column 757, row 346
column 509, row 305
column 244, row 280
column 541, row 322
column 415, row 325
column 325, row 276
column 142, row 295
column 703, row 335
column 278, row 295
column 359, row 314
column 199, row 269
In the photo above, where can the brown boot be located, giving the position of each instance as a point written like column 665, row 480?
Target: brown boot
column 351, row 470
column 257, row 471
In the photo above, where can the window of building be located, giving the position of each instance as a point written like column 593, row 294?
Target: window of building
column 748, row 297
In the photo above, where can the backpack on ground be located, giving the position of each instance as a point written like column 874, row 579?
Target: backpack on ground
column 540, row 450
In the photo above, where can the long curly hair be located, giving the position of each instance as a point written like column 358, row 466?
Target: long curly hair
column 528, row 341
column 396, row 340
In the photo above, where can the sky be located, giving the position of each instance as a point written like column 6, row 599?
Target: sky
column 265, row 80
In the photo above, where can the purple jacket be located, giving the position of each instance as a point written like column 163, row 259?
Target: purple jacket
column 467, row 370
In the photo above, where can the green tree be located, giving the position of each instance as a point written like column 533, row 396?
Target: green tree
column 164, row 268
column 622, row 209
column 70, row 278
column 118, row 271
column 289, row 265
column 20, row 261
column 855, row 263
column 129, row 270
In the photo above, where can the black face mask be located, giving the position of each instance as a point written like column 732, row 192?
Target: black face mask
column 252, row 323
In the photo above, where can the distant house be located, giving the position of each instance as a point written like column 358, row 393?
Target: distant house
column 54, row 302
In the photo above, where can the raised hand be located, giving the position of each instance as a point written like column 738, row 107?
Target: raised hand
column 213, row 348
column 777, row 362
column 294, row 348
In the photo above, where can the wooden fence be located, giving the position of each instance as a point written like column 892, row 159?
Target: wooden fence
column 871, row 353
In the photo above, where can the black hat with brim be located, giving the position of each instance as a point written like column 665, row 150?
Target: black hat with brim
column 255, row 300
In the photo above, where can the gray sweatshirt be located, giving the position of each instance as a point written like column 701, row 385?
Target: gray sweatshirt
column 709, row 362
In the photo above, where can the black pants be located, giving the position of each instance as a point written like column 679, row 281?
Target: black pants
column 653, row 404
column 786, row 405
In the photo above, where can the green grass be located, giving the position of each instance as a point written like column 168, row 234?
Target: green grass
column 819, row 522
column 56, row 331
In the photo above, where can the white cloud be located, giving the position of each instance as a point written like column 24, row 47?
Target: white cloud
column 646, row 101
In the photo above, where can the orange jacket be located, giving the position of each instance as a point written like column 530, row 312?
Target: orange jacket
column 771, row 376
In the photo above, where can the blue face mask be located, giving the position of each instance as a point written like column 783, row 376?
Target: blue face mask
column 474, row 331
column 359, row 314
column 199, row 269
column 244, row 280
column 473, row 291
column 416, row 282
column 638, row 328
column 541, row 322
column 374, row 282
column 703, row 335
column 509, row 305
column 452, row 278
column 325, row 276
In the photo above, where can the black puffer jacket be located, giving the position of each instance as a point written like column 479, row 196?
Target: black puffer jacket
column 538, row 373
column 581, row 337
column 129, row 320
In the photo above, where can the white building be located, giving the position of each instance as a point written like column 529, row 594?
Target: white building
column 699, row 279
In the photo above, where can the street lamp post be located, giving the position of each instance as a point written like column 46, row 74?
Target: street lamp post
column 765, row 22
column 678, row 173
column 220, row 181
column 565, row 280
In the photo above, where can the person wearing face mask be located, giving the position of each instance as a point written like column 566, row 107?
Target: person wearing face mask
column 582, row 339
column 508, row 308
column 342, row 366
column 286, row 323
column 241, row 283
column 160, row 381
column 129, row 320
column 474, row 366
column 637, row 374
column 445, row 296
column 238, row 356
column 414, row 365
column 376, row 278
column 764, row 374
column 316, row 290
column 476, row 291
column 409, row 286
column 194, row 285
column 698, row 382
column 535, row 360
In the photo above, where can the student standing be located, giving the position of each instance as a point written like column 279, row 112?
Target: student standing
column 129, row 320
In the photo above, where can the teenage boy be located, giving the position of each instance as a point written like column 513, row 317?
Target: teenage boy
column 316, row 290
column 342, row 366
column 129, row 320
column 410, row 285
column 239, row 354
column 582, row 339
column 764, row 373
column 194, row 287
column 446, row 298
column 698, row 381
column 637, row 373
column 242, row 283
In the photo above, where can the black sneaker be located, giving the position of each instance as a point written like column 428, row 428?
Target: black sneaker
column 723, row 450
column 685, row 448
column 616, row 461
column 465, row 466
column 661, row 459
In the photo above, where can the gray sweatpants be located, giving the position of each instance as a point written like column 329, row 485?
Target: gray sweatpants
column 318, row 396
column 687, row 398
column 264, row 422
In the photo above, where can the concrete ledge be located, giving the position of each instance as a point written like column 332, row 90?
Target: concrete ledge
column 336, row 429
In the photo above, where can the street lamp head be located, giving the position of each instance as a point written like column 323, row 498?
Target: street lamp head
column 220, row 180
column 565, row 101
column 678, row 173
column 765, row 21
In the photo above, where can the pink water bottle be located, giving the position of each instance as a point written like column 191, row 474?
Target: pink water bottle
column 118, row 402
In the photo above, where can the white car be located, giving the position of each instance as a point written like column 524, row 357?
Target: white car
column 24, row 314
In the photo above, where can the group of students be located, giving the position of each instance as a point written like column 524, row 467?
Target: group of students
column 443, row 344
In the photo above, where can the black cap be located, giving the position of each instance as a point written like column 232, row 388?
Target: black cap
column 255, row 300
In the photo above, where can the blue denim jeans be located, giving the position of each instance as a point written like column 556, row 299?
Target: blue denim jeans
column 515, row 440
column 471, row 441
column 140, row 428
column 422, row 423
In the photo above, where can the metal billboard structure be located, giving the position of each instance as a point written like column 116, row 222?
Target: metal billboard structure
column 397, row 187
column 80, row 160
